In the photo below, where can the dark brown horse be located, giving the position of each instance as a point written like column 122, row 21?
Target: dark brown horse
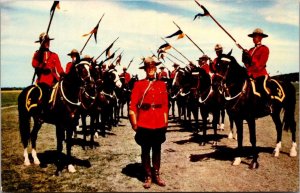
column 62, row 111
column 242, row 103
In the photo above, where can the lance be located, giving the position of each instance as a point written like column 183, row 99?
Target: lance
column 190, row 38
column 177, row 50
column 130, row 63
column 107, row 48
column 118, row 56
column 52, row 10
column 91, row 34
column 207, row 13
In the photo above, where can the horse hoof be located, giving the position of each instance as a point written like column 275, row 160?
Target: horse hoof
column 58, row 173
column 230, row 136
column 236, row 161
column 71, row 168
column 96, row 135
column 37, row 162
column 293, row 153
column 253, row 165
column 27, row 163
column 215, row 143
column 202, row 143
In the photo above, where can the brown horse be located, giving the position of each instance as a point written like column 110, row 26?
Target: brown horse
column 62, row 111
column 242, row 103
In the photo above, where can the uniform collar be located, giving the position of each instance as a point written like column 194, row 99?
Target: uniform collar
column 258, row 44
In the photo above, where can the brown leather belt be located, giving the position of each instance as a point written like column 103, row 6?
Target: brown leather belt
column 147, row 106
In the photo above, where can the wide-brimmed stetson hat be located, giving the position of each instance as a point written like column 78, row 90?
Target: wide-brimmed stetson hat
column 43, row 37
column 149, row 61
column 175, row 65
column 204, row 56
column 259, row 32
column 218, row 47
column 73, row 52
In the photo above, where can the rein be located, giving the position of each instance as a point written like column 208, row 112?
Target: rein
column 243, row 91
column 65, row 98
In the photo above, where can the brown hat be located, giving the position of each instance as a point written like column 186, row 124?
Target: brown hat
column 43, row 37
column 218, row 47
column 204, row 56
column 124, row 68
column 150, row 61
column 162, row 67
column 175, row 65
column 74, row 51
column 259, row 32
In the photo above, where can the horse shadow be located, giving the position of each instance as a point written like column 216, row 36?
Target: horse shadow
column 51, row 157
column 196, row 138
column 81, row 142
column 134, row 170
column 225, row 153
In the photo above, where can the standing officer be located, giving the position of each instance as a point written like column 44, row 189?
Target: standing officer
column 74, row 54
column 255, row 61
column 47, row 67
column 148, row 115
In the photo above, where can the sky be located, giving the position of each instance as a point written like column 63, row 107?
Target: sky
column 140, row 26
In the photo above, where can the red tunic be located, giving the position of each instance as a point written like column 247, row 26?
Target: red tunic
column 259, row 56
column 172, row 75
column 68, row 67
column 50, row 62
column 127, row 77
column 206, row 68
column 157, row 95
column 162, row 74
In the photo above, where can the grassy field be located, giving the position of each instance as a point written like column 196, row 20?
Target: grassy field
column 9, row 97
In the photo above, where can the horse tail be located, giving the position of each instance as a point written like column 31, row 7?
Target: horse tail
column 289, row 107
column 24, row 119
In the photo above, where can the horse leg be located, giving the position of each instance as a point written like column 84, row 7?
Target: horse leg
column 24, row 126
column 239, row 128
column 221, row 126
column 60, row 136
column 204, row 115
column 232, row 134
column 84, row 129
column 92, row 130
column 216, row 118
column 278, row 124
column 254, row 151
column 34, row 133
column 69, row 144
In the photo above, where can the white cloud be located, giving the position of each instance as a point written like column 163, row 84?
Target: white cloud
column 283, row 12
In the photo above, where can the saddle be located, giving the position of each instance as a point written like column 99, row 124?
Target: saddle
column 273, row 88
column 34, row 96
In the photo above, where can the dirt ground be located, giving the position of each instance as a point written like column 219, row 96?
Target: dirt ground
column 115, row 165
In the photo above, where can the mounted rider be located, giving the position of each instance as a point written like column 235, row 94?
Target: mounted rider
column 47, row 67
column 75, row 57
column 126, row 75
column 255, row 61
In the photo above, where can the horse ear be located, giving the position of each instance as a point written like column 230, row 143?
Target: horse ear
column 230, row 52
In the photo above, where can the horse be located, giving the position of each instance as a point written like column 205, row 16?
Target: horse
column 62, row 111
column 108, row 99
column 180, row 90
column 124, row 97
column 242, row 103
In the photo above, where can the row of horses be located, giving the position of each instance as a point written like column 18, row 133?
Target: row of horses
column 231, row 89
column 86, row 91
